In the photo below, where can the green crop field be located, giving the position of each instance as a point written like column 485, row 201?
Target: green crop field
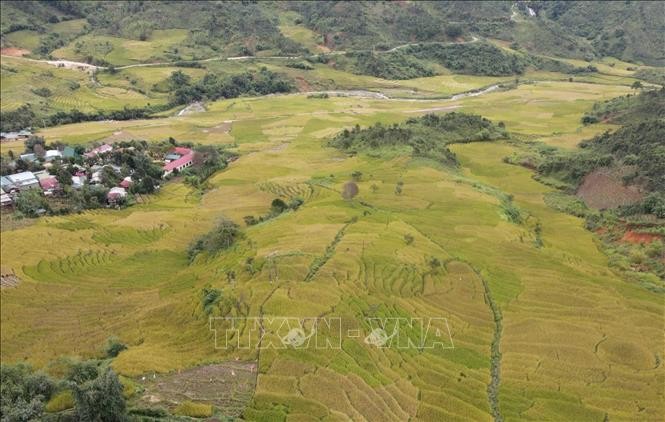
column 576, row 342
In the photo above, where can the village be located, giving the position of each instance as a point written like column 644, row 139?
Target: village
column 60, row 178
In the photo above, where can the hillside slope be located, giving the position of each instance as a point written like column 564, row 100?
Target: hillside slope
column 632, row 31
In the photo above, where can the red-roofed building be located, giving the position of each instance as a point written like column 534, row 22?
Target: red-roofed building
column 115, row 195
column 126, row 182
column 49, row 185
column 179, row 164
column 181, row 150
column 99, row 150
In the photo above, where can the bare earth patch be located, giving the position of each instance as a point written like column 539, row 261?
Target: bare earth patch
column 604, row 189
column 635, row 237
column 14, row 52
column 196, row 107
column 228, row 386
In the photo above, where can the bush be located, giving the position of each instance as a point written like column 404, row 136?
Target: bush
column 42, row 92
column 193, row 410
column 100, row 399
column 152, row 412
column 221, row 237
column 209, row 298
column 32, row 203
column 114, row 347
column 23, row 392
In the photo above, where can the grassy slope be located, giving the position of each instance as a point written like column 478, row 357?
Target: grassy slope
column 577, row 342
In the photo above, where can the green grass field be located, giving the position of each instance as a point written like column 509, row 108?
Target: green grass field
column 576, row 341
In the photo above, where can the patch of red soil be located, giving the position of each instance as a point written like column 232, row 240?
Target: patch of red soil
column 302, row 84
column 604, row 189
column 13, row 51
column 635, row 237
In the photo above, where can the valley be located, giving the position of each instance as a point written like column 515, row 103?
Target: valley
column 348, row 195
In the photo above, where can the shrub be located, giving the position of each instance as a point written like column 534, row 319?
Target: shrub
column 32, row 203
column 153, row 412
column 42, row 92
column 193, row 410
column 278, row 206
column 221, row 237
column 114, row 347
column 100, row 399
column 209, row 298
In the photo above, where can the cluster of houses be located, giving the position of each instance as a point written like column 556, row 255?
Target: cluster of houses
column 15, row 136
column 178, row 159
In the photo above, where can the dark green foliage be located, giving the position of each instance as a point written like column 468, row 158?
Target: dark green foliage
column 221, row 237
column 651, row 75
column 212, row 87
column 83, row 371
column 207, row 160
column 42, row 92
column 642, row 143
column 23, row 393
column 300, row 65
column 278, row 206
column 472, row 59
column 151, row 412
column 100, row 399
column 32, row 203
column 631, row 31
column 114, row 347
column 647, row 105
column 425, row 136
column 396, row 65
column 21, row 118
column 571, row 167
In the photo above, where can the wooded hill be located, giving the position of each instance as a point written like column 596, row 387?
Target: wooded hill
column 633, row 31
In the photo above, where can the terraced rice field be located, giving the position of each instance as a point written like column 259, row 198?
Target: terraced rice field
column 537, row 333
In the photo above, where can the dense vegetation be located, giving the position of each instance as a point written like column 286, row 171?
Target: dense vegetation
column 425, row 136
column 474, row 59
column 235, row 28
column 648, row 105
column 89, row 390
column 418, row 60
column 25, row 117
column 397, row 65
column 212, row 87
column 221, row 237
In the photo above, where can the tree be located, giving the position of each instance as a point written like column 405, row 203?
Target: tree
column 179, row 79
column 453, row 31
column 32, row 141
column 277, row 206
column 637, row 85
column 23, row 393
column 31, row 202
column 109, row 177
column 100, row 399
